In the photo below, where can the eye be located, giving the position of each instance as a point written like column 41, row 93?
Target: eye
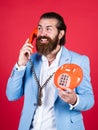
column 49, row 29
column 39, row 28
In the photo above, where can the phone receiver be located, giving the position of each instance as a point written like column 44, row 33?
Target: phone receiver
column 33, row 35
column 68, row 75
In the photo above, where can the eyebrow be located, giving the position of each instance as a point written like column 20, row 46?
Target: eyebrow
column 46, row 26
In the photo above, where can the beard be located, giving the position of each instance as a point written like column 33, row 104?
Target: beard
column 46, row 48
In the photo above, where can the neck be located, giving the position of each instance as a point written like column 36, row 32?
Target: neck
column 51, row 57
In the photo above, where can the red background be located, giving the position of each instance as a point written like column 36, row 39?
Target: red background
column 17, row 19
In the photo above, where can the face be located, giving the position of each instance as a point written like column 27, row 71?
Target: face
column 48, row 36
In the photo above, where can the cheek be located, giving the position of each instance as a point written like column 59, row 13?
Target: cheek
column 38, row 34
column 53, row 36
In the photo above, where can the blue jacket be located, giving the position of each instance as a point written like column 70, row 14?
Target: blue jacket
column 23, row 83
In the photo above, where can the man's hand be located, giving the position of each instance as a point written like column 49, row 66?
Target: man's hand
column 25, row 53
column 68, row 96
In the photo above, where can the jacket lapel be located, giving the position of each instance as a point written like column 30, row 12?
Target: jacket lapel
column 64, row 59
column 65, row 56
column 37, row 65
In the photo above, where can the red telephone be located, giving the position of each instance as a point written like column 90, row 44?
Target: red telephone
column 68, row 75
column 31, row 38
column 33, row 35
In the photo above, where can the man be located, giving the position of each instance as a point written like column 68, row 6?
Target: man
column 45, row 106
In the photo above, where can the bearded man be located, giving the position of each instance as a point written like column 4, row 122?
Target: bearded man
column 46, row 107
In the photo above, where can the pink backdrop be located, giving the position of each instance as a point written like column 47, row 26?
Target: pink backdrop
column 17, row 19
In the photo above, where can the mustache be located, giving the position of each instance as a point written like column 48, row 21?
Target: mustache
column 43, row 37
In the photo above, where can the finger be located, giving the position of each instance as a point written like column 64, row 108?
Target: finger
column 68, row 90
column 28, row 45
column 63, row 93
column 28, row 49
column 27, row 41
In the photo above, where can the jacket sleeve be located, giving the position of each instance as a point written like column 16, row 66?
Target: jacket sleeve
column 15, row 85
column 85, row 90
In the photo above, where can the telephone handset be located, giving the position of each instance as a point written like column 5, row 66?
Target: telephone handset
column 31, row 38
column 33, row 35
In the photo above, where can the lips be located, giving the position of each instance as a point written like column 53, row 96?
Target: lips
column 43, row 40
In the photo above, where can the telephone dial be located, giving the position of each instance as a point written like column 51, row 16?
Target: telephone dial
column 68, row 75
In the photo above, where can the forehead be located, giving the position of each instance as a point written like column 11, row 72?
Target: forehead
column 48, row 22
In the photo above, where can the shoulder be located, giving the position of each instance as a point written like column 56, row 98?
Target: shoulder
column 80, row 57
column 75, row 57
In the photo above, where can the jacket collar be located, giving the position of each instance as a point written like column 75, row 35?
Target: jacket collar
column 65, row 56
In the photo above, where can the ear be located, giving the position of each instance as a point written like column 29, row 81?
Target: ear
column 61, row 34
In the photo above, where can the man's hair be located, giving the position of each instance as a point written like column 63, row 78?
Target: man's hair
column 60, row 26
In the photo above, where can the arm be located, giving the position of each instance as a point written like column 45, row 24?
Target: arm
column 15, row 85
column 84, row 91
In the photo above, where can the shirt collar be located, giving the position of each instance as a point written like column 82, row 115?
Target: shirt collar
column 44, row 59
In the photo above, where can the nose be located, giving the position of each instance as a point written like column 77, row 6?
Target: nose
column 42, row 32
